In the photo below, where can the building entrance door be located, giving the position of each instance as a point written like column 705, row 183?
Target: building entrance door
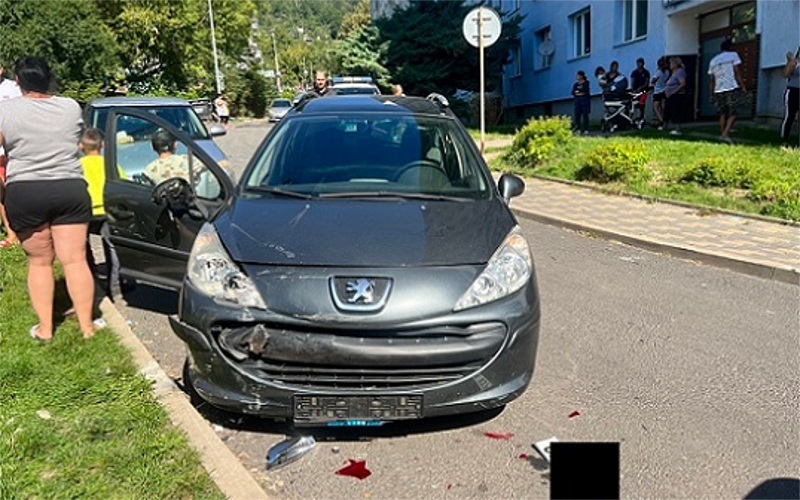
column 739, row 24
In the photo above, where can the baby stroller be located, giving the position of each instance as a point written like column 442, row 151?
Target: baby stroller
column 621, row 107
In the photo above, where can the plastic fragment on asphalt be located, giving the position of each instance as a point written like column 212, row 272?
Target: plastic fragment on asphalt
column 543, row 447
column 289, row 450
column 357, row 468
column 574, row 414
column 523, row 456
column 335, row 449
column 218, row 428
column 499, row 435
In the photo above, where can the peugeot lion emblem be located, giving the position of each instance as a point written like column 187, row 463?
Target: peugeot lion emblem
column 360, row 294
column 361, row 289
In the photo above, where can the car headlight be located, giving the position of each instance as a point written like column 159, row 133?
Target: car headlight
column 508, row 270
column 214, row 274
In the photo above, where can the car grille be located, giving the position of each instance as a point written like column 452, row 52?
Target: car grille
column 363, row 360
column 341, row 377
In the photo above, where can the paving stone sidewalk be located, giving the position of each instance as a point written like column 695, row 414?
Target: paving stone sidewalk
column 753, row 246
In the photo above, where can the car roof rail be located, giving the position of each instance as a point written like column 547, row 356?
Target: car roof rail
column 438, row 99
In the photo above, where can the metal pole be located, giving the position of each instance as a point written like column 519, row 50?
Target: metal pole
column 480, row 49
column 214, row 49
column 277, row 68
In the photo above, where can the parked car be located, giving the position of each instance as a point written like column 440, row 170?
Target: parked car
column 366, row 269
column 203, row 107
column 278, row 109
column 353, row 85
column 178, row 112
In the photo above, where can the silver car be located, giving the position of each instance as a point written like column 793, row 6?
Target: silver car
column 279, row 108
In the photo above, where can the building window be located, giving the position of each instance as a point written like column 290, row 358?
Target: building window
column 517, row 60
column 581, row 24
column 544, row 48
column 517, row 5
column 634, row 19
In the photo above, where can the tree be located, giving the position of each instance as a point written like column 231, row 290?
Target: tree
column 361, row 53
column 70, row 34
column 427, row 52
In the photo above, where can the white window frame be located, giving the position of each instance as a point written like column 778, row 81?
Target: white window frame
column 543, row 62
column 630, row 12
column 581, row 26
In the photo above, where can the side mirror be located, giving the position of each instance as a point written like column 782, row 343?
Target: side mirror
column 510, row 186
column 217, row 129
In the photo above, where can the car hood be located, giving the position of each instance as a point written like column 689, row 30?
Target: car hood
column 363, row 233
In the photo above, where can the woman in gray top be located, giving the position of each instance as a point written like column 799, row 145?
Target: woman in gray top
column 46, row 199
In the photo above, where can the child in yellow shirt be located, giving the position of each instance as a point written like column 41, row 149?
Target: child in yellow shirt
column 91, row 144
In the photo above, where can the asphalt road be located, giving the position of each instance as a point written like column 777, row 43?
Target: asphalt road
column 692, row 369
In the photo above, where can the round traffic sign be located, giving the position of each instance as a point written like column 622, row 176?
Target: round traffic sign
column 492, row 26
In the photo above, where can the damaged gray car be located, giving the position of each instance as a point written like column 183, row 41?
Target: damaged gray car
column 366, row 268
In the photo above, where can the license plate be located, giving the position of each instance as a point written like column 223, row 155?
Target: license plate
column 354, row 411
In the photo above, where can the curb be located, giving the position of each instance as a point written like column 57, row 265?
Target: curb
column 789, row 276
column 225, row 469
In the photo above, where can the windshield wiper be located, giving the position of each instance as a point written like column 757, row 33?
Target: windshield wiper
column 279, row 191
column 391, row 194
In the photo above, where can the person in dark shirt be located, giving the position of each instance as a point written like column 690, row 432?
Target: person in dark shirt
column 640, row 82
column 580, row 91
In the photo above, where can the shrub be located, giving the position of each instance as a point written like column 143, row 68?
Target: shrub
column 721, row 171
column 782, row 195
column 539, row 139
column 616, row 162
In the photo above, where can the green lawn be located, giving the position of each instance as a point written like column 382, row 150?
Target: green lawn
column 765, row 178
column 76, row 418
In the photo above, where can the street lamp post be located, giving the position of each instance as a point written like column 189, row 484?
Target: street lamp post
column 217, row 76
column 277, row 68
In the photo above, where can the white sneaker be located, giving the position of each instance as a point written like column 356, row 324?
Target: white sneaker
column 675, row 132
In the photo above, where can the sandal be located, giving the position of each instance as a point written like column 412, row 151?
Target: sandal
column 32, row 333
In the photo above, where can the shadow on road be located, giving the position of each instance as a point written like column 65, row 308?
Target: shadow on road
column 152, row 298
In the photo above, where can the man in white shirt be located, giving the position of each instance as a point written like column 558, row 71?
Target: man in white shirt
column 8, row 90
column 726, row 86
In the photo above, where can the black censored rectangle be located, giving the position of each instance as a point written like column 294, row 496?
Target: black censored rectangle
column 584, row 470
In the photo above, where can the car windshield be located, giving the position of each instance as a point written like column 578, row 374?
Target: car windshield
column 369, row 155
column 281, row 103
column 183, row 117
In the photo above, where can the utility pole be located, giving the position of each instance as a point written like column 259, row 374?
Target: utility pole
column 277, row 68
column 217, row 76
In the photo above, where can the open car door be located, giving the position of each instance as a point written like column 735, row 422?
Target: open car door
column 155, row 218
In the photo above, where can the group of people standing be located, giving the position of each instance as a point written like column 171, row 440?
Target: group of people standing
column 668, row 86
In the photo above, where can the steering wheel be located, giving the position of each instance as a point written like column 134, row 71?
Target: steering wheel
column 432, row 168
column 174, row 192
column 418, row 164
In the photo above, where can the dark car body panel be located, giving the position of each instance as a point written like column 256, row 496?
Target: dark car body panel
column 365, row 232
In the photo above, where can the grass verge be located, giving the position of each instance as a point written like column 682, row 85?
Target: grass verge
column 752, row 177
column 77, row 420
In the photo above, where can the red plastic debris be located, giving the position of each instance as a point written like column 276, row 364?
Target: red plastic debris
column 574, row 414
column 499, row 435
column 523, row 456
column 357, row 468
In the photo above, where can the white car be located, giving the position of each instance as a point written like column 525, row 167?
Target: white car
column 278, row 109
